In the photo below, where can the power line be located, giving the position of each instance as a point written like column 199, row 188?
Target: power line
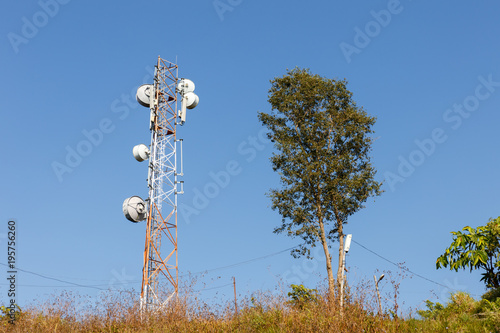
column 54, row 279
column 45, row 286
column 206, row 289
column 244, row 262
column 215, row 269
column 125, row 283
column 403, row 268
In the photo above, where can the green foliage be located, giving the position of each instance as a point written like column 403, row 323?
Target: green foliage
column 433, row 310
column 322, row 141
column 463, row 314
column 491, row 295
column 476, row 249
column 301, row 296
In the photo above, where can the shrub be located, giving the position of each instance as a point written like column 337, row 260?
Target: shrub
column 302, row 296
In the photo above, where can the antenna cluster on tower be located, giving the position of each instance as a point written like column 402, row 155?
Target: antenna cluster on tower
column 160, row 208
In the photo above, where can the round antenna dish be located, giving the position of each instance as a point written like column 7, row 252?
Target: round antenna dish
column 144, row 93
column 141, row 152
column 192, row 100
column 134, row 209
column 185, row 86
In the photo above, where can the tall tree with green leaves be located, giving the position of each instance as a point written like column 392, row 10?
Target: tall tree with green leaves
column 322, row 156
column 475, row 249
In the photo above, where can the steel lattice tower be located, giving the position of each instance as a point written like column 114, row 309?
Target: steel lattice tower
column 160, row 270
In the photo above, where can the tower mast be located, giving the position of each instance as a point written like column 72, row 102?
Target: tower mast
column 160, row 258
column 160, row 274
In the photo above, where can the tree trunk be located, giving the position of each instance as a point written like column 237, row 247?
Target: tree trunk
column 340, row 277
column 331, row 281
column 341, row 253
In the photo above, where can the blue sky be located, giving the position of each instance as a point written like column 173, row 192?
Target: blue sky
column 428, row 71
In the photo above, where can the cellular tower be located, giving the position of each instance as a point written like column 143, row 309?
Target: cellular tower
column 159, row 210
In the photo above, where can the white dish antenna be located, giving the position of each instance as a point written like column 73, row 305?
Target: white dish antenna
column 185, row 86
column 141, row 152
column 192, row 100
column 144, row 94
column 135, row 209
column 189, row 99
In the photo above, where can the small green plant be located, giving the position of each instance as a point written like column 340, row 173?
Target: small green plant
column 300, row 296
column 488, row 307
column 492, row 295
column 433, row 310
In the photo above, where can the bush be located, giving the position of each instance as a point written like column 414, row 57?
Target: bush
column 302, row 296
column 464, row 314
column 492, row 294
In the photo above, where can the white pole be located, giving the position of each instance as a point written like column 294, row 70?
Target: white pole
column 347, row 246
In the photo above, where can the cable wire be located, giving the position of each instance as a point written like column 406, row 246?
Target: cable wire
column 215, row 269
column 404, row 268
column 244, row 262
column 206, row 289
column 130, row 282
column 54, row 279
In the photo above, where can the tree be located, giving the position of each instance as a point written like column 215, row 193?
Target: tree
column 477, row 249
column 322, row 142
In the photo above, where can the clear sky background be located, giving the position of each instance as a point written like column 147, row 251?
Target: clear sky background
column 429, row 71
